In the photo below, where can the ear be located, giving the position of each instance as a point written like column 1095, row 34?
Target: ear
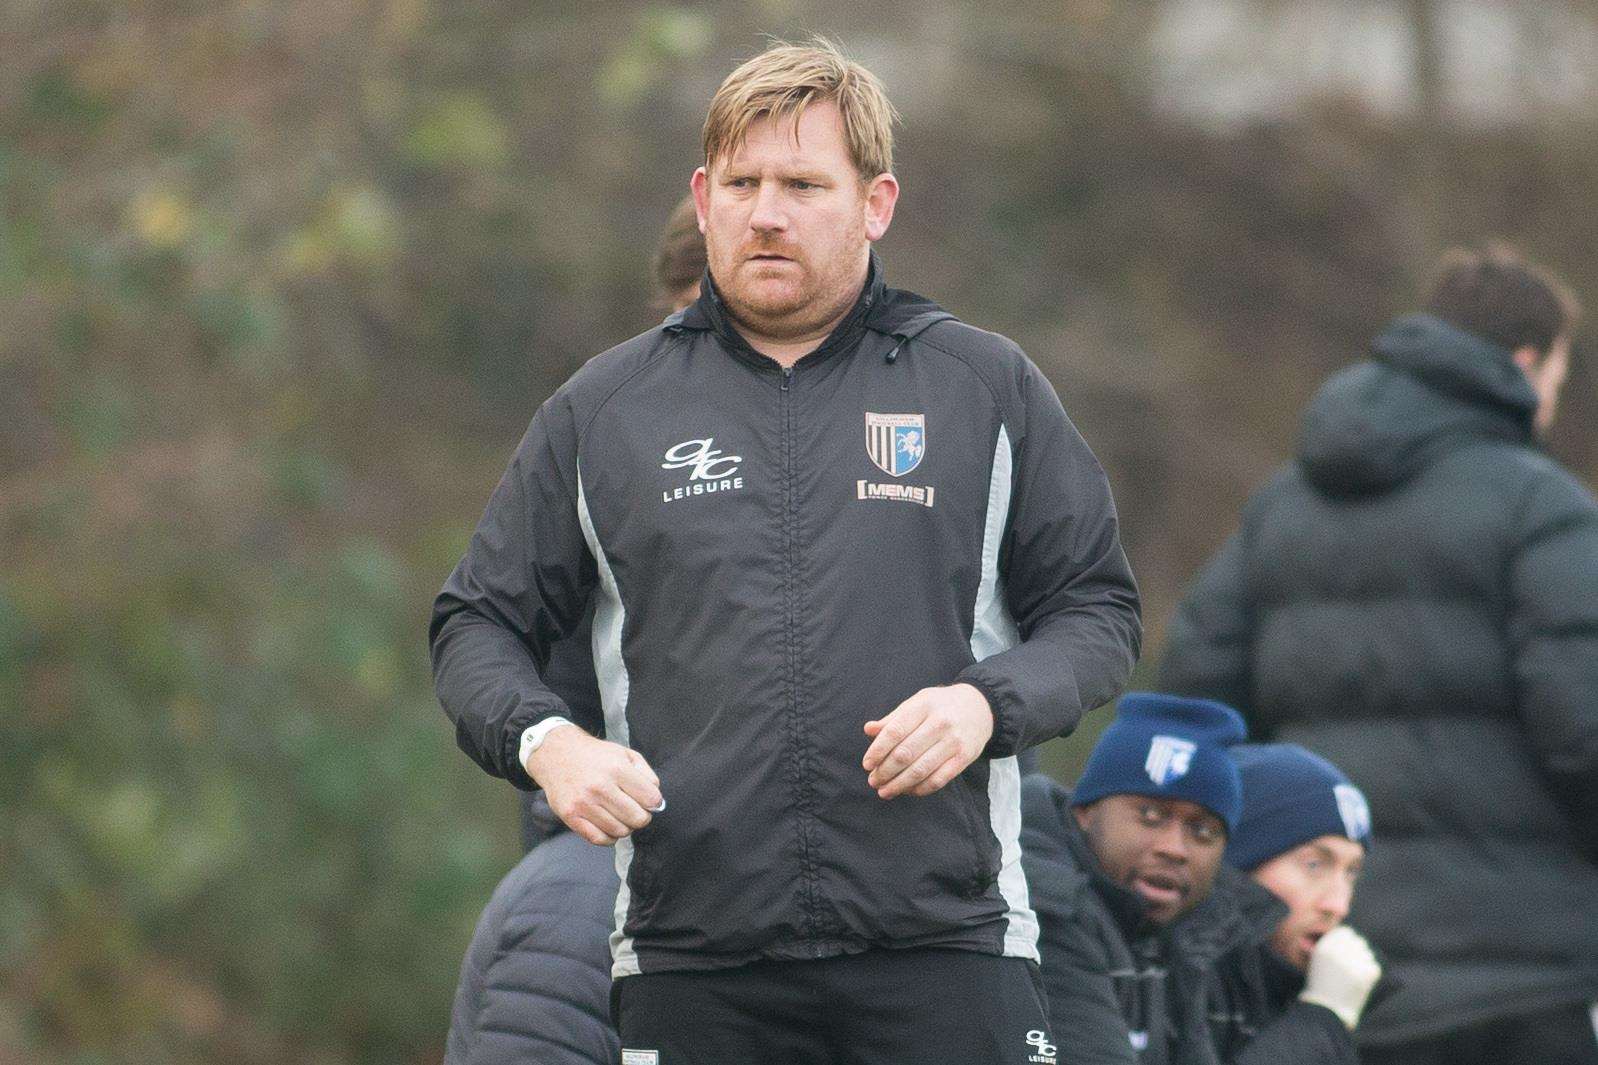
column 881, row 194
column 699, row 185
column 1084, row 815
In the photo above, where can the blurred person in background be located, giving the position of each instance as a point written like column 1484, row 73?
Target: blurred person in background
column 1134, row 903
column 1415, row 597
column 676, row 269
column 1297, row 992
column 734, row 488
column 535, row 983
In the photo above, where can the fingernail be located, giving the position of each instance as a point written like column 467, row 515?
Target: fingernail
column 658, row 809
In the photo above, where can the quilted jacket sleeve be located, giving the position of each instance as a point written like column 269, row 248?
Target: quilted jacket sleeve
column 535, row 986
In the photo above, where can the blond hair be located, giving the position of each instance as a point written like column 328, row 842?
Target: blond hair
column 785, row 79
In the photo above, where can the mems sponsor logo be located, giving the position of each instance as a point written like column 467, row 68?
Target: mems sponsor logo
column 902, row 493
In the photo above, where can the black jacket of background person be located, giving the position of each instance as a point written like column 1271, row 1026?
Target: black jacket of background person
column 764, row 588
column 535, row 984
column 1121, row 989
column 1416, row 598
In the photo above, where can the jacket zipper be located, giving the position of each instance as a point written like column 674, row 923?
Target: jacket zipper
column 807, row 871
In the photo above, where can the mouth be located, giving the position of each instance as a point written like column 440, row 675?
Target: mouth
column 769, row 257
column 1159, row 888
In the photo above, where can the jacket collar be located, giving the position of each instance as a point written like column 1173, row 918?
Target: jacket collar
column 877, row 308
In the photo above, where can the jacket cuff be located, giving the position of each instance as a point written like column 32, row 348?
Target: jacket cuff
column 511, row 744
column 1004, row 705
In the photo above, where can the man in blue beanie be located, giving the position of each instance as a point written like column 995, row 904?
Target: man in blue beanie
column 1134, row 904
column 1297, row 992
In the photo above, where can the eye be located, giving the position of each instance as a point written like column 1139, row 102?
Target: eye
column 805, row 186
column 1149, row 814
column 1205, row 832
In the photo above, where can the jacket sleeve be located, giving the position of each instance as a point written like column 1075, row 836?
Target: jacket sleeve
column 1553, row 633
column 1066, row 582
column 1207, row 647
column 522, row 584
column 1306, row 1034
column 544, row 996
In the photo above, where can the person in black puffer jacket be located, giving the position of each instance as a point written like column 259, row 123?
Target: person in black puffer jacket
column 535, row 985
column 1416, row 599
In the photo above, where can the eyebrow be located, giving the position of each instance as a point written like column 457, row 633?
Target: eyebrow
column 815, row 177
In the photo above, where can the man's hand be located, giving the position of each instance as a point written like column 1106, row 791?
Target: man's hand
column 927, row 740
column 1342, row 971
column 601, row 790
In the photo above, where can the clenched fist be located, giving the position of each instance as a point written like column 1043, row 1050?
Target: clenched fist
column 1342, row 972
column 927, row 740
column 601, row 790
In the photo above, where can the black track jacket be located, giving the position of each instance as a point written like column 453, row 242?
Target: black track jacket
column 778, row 557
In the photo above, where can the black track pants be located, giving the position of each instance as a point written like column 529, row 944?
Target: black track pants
column 883, row 1007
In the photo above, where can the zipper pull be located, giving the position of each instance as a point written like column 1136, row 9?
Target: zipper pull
column 787, row 377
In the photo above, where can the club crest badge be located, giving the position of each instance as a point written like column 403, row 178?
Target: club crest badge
column 1169, row 759
column 1353, row 809
column 896, row 442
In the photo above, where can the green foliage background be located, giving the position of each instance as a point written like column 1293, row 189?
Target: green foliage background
column 281, row 283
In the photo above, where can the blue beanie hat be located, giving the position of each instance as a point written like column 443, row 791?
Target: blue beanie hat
column 1168, row 747
column 1291, row 796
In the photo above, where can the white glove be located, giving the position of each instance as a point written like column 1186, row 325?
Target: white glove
column 1342, row 971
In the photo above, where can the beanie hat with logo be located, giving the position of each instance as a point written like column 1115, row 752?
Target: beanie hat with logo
column 1291, row 796
column 1168, row 747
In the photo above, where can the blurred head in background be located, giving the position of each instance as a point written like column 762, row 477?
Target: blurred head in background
column 1495, row 293
column 795, row 187
column 680, row 259
column 1302, row 835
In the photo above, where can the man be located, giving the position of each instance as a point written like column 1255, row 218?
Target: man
column 850, row 558
column 535, row 982
column 1135, row 905
column 1416, row 598
column 1296, row 994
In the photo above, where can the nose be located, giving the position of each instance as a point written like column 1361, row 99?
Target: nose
column 769, row 214
column 1337, row 898
column 1170, row 842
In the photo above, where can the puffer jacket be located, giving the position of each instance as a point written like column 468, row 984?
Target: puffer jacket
column 1416, row 598
column 535, row 984
column 1257, row 1019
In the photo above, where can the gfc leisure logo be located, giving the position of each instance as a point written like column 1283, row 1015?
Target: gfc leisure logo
column 713, row 471
column 1044, row 1052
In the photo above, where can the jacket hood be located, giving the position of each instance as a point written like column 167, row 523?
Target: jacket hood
column 1428, row 387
